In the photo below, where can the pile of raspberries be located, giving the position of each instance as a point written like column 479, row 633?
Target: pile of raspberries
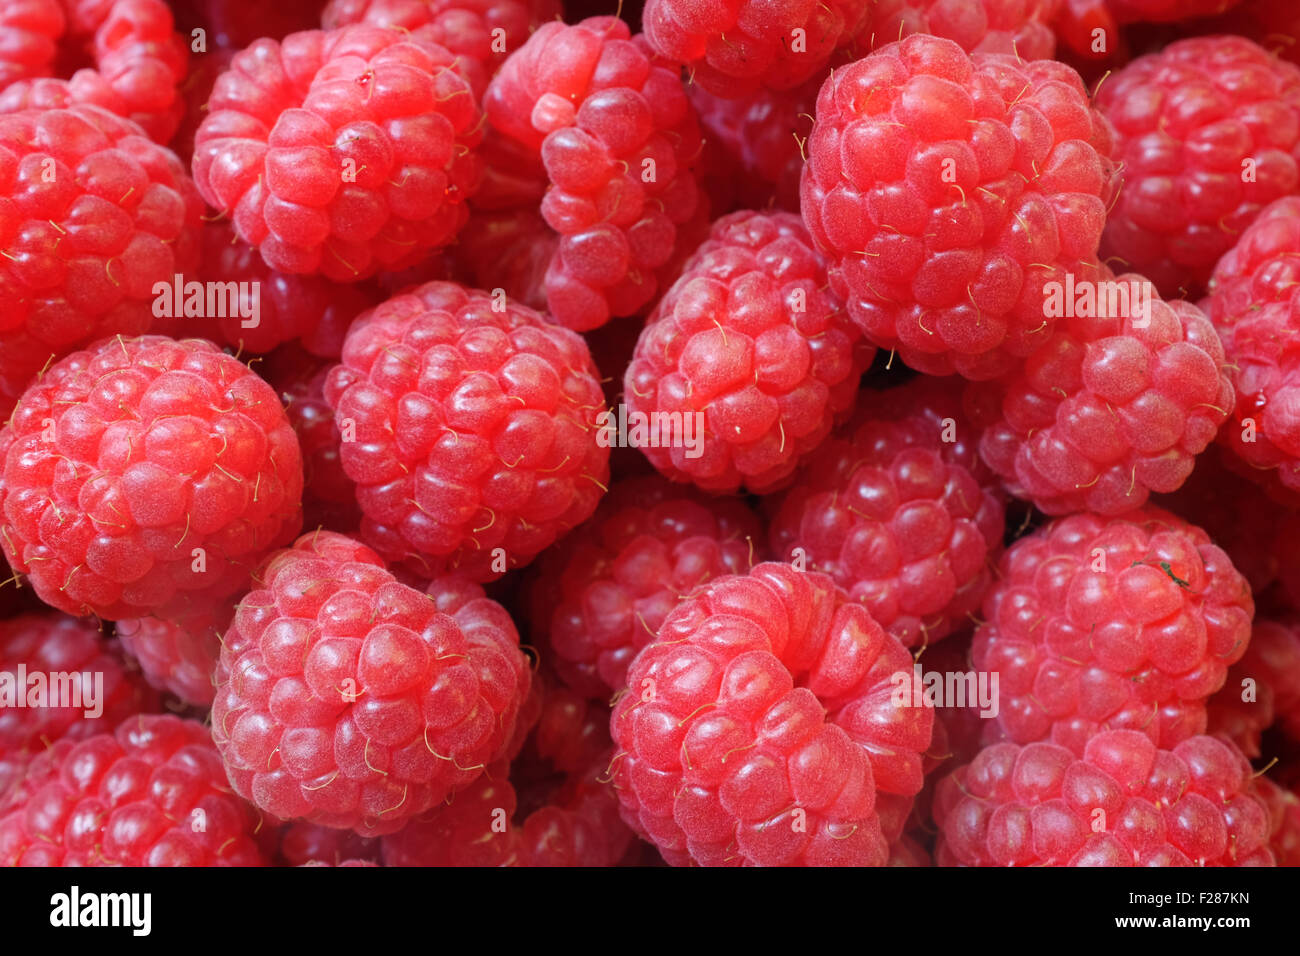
column 521, row 433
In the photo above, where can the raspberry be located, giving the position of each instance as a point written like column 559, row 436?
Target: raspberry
column 471, row 829
column 1208, row 134
column 588, row 110
column 179, row 654
column 83, row 248
column 47, row 643
column 1017, row 27
column 139, row 58
column 144, row 473
column 600, row 596
column 1273, row 24
column 1284, row 815
column 474, row 420
column 722, row 759
column 748, row 344
column 1112, row 623
column 348, row 699
column 152, row 793
column 1039, row 805
column 309, row 843
column 1111, row 407
column 946, row 189
column 1254, row 307
column 341, row 152
column 899, row 512
column 29, row 38
column 580, row 826
column 1261, row 689
column 734, row 48
column 1082, row 23
column 480, row 32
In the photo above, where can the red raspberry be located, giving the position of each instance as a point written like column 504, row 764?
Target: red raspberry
column 751, row 352
column 1273, row 24
column 1040, row 805
column 1112, row 623
column 1090, row 29
column 310, row 843
column 900, row 512
column 341, row 152
column 1263, row 688
column 1018, row 27
column 617, row 140
column 724, row 760
column 733, row 48
column 146, row 473
column 47, row 643
column 179, row 654
column 471, row 829
column 195, row 93
column 349, row 699
column 1208, row 134
column 1109, row 408
column 1255, row 307
column 139, row 59
column 600, row 596
column 946, row 190
column 29, row 38
column 474, row 419
column 580, row 826
column 480, row 32
column 84, row 246
column 152, row 793
column 1284, row 815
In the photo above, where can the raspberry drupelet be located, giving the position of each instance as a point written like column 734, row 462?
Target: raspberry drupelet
column 146, row 475
column 469, row 425
column 341, row 152
column 179, row 653
column 29, row 39
column 1262, row 689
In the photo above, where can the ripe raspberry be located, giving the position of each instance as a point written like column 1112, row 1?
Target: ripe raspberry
column 470, row 829
column 1090, row 29
column 1273, row 24
column 348, row 699
column 580, row 826
column 1261, row 689
column 139, row 59
column 83, row 248
column 144, row 475
column 600, row 596
column 480, row 32
column 474, row 425
column 617, row 139
column 899, row 512
column 1284, row 816
column 751, row 352
column 29, row 38
column 152, row 793
column 946, row 190
column 1112, row 623
column 1208, row 134
column 1038, row 805
column 1018, row 27
column 310, row 843
column 179, row 654
column 47, row 643
column 1110, row 407
column 341, row 152
column 734, row 48
column 1254, row 305
column 806, row 761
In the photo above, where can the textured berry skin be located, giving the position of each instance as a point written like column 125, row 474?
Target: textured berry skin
column 1272, row 665
column 717, row 748
column 49, row 643
column 900, row 512
column 179, row 654
column 341, row 152
column 348, row 699
column 1284, row 813
column 1017, row 27
column 600, row 596
column 617, row 139
column 1112, row 623
column 468, row 28
column 1108, row 409
column 748, row 337
column 948, row 267
column 1037, row 805
column 310, row 843
column 460, row 832
column 733, row 48
column 29, row 38
column 1254, row 305
column 474, row 428
column 125, row 458
column 152, row 793
column 1186, row 120
column 82, row 253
